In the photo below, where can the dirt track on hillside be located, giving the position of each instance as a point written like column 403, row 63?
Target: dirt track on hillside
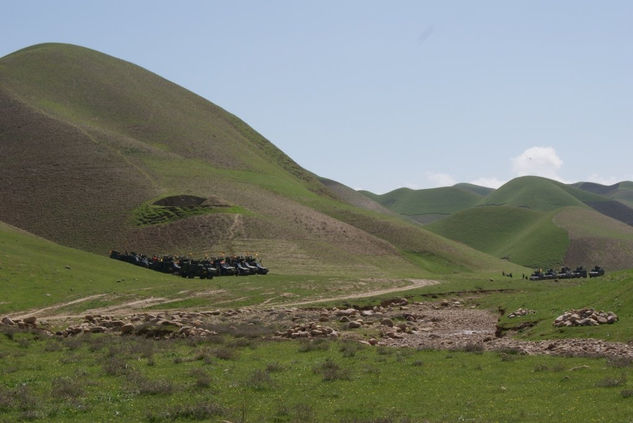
column 49, row 312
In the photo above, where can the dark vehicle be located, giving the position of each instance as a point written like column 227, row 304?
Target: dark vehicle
column 565, row 273
column 537, row 275
column 192, row 268
column 550, row 274
column 596, row 271
column 580, row 272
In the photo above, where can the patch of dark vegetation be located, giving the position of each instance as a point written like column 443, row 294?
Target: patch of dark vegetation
column 144, row 386
column 378, row 420
column 620, row 362
column 627, row 393
column 196, row 412
column 544, row 368
column 612, row 382
column 115, row 366
column 471, row 347
column 226, row 353
column 349, row 348
column 300, row 413
column 274, row 367
column 259, row 380
column 330, row 371
column 314, row 345
column 202, row 379
column 66, row 387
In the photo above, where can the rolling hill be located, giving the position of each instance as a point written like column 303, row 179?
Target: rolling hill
column 532, row 221
column 428, row 205
column 98, row 153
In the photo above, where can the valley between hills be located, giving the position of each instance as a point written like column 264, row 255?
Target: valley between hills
column 409, row 306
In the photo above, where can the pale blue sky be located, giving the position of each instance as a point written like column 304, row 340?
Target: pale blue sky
column 384, row 94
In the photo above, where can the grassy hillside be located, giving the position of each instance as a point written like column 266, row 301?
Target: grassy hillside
column 622, row 191
column 91, row 144
column 596, row 239
column 534, row 193
column 523, row 236
column 427, row 205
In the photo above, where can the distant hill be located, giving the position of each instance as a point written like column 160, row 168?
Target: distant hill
column 526, row 220
column 428, row 205
column 520, row 235
column 98, row 153
column 622, row 191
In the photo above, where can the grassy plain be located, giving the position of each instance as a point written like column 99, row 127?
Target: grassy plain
column 242, row 379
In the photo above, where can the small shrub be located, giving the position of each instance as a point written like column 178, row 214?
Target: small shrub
column 627, row 393
column 349, row 348
column 259, row 380
column 66, row 387
column 199, row 412
column 331, row 371
column 611, row 382
column 474, row 347
column 115, row 366
column 274, row 367
column 145, row 386
column 202, row 378
column 619, row 362
column 314, row 345
column 226, row 353
column 382, row 350
column 52, row 346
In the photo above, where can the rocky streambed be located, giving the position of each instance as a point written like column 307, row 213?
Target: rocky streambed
column 448, row 324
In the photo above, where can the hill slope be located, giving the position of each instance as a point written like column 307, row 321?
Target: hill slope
column 523, row 236
column 428, row 205
column 92, row 148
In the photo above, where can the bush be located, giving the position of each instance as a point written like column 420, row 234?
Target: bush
column 202, row 411
column 331, row 371
column 259, row 380
column 314, row 345
column 349, row 348
column 611, row 382
column 274, row 367
column 115, row 366
column 66, row 387
column 202, row 378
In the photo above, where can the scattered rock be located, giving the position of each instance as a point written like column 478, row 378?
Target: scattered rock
column 354, row 324
column 521, row 312
column 387, row 322
column 7, row 321
column 30, row 320
column 585, row 317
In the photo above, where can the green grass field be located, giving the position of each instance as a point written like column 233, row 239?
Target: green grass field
column 243, row 379
column 523, row 236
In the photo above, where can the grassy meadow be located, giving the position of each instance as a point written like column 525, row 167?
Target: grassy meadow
column 239, row 378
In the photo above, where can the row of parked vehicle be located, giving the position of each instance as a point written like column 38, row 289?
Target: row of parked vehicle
column 195, row 268
column 566, row 273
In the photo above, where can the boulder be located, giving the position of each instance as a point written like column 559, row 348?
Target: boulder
column 7, row 321
column 30, row 320
column 354, row 324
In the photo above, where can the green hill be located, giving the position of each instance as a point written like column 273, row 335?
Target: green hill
column 535, row 193
column 99, row 153
column 520, row 235
column 428, row 205
column 596, row 239
column 622, row 191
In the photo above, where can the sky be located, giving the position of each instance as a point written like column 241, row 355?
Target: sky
column 386, row 94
